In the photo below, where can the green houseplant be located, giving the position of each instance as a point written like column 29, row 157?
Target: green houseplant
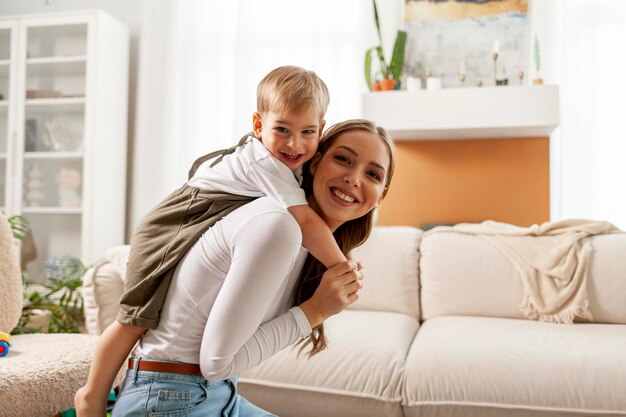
column 388, row 75
column 58, row 298
column 19, row 227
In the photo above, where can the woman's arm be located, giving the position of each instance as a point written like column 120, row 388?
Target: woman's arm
column 263, row 254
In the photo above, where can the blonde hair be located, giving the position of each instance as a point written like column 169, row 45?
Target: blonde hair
column 349, row 235
column 290, row 88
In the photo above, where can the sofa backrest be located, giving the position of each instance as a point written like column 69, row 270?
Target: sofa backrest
column 390, row 257
column 462, row 274
column 102, row 288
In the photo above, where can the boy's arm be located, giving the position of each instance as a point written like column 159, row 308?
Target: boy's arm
column 112, row 350
column 316, row 236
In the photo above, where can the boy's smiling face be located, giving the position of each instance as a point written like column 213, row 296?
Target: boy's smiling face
column 292, row 137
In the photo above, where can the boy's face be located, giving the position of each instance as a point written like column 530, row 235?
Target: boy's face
column 292, row 138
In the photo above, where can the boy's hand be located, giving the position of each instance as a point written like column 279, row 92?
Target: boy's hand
column 339, row 287
column 359, row 264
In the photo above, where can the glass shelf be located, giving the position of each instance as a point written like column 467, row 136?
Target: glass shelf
column 57, row 41
column 57, row 66
column 56, row 59
column 51, row 131
column 56, row 104
column 53, row 183
column 5, row 68
column 53, row 155
column 51, row 210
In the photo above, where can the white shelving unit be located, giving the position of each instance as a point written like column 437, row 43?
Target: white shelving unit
column 63, row 124
column 466, row 113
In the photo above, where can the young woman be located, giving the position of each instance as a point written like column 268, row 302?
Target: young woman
column 247, row 289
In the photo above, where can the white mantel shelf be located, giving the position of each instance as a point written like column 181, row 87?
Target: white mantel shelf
column 466, row 113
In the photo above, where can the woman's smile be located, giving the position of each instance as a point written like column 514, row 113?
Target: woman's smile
column 343, row 196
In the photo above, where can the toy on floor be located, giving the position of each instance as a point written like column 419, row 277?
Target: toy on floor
column 5, row 343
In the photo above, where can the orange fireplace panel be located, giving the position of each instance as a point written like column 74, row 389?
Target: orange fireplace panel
column 469, row 181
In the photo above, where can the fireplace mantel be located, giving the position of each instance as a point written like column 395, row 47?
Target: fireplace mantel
column 466, row 113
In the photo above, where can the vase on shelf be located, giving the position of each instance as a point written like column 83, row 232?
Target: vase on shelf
column 35, row 187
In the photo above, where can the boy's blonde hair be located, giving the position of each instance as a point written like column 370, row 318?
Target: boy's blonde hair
column 292, row 89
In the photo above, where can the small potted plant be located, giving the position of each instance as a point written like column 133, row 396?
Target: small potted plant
column 388, row 76
column 55, row 306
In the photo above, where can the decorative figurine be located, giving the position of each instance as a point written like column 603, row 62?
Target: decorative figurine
column 462, row 73
column 35, row 187
column 494, row 57
column 503, row 80
column 69, row 181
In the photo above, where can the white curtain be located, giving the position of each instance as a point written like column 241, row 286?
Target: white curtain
column 200, row 62
column 592, row 144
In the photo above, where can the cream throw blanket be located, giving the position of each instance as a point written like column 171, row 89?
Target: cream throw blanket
column 552, row 259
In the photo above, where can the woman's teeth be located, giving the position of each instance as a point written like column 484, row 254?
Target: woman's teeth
column 342, row 196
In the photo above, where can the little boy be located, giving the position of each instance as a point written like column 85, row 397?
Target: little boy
column 291, row 103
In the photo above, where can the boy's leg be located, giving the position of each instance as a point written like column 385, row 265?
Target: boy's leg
column 113, row 348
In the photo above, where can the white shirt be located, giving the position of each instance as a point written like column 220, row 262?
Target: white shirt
column 227, row 307
column 251, row 171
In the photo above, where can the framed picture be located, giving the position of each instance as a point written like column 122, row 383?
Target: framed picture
column 448, row 38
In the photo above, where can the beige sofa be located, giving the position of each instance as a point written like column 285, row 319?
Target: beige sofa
column 438, row 332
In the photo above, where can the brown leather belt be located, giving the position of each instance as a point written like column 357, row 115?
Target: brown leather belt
column 172, row 367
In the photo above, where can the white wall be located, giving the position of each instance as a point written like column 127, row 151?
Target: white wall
column 544, row 23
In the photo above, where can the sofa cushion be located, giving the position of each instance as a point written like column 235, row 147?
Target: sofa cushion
column 462, row 274
column 479, row 366
column 607, row 286
column 466, row 275
column 390, row 257
column 358, row 375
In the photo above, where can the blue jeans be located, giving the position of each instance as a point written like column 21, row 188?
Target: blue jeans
column 164, row 394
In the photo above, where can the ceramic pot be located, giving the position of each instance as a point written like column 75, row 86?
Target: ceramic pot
column 387, row 84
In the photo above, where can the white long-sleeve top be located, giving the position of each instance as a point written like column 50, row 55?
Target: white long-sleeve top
column 227, row 307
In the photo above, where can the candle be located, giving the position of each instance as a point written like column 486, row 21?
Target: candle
column 462, row 67
column 496, row 47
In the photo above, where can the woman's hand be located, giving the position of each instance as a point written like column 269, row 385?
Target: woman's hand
column 339, row 287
